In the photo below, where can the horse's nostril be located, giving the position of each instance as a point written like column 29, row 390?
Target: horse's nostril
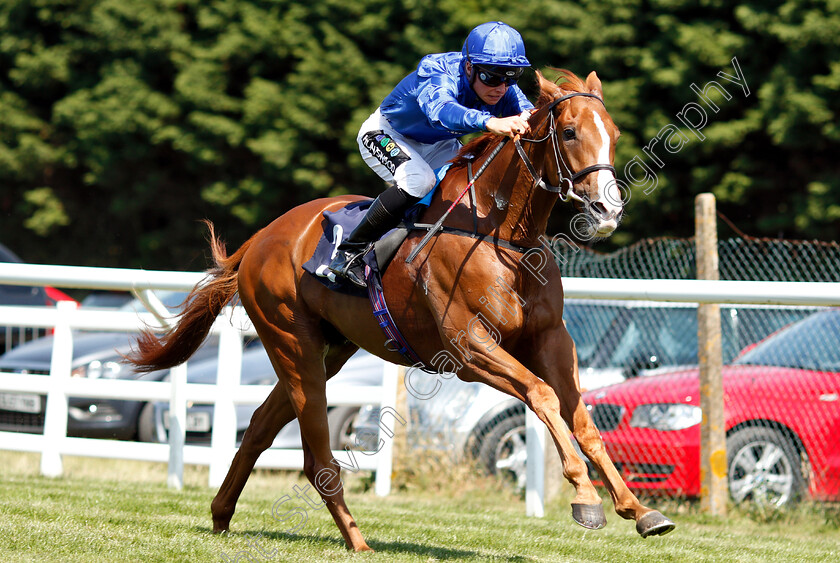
column 600, row 209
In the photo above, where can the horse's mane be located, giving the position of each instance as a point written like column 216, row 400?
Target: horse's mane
column 548, row 91
column 475, row 148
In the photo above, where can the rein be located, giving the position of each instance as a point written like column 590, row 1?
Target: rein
column 569, row 179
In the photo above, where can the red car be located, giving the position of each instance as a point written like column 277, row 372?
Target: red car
column 782, row 412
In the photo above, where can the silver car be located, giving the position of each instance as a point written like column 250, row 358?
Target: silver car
column 363, row 369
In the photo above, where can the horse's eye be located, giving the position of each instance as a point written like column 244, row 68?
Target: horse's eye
column 568, row 134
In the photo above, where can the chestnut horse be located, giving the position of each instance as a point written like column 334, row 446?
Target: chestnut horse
column 519, row 346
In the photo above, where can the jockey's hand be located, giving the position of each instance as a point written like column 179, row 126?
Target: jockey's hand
column 508, row 126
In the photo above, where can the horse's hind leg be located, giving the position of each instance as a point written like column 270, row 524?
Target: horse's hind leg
column 299, row 358
column 319, row 465
column 326, row 478
column 275, row 412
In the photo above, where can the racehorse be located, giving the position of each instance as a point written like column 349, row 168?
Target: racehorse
column 514, row 341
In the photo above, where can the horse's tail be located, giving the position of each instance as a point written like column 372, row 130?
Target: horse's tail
column 202, row 306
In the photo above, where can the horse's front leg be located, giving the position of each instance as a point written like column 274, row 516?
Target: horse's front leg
column 554, row 359
column 491, row 364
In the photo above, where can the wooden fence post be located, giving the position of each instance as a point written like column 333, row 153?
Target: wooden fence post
column 714, row 491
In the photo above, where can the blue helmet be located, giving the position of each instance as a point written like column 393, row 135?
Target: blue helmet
column 496, row 44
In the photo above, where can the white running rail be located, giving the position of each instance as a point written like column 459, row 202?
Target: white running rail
column 224, row 395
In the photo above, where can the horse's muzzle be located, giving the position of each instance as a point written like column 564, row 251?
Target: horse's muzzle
column 603, row 220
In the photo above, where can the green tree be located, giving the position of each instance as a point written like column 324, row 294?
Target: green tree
column 767, row 156
column 125, row 123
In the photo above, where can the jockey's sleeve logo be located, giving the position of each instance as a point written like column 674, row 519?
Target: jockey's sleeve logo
column 384, row 149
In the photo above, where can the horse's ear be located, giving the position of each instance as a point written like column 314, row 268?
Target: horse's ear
column 593, row 84
column 548, row 89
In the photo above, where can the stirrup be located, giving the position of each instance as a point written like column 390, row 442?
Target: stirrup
column 348, row 265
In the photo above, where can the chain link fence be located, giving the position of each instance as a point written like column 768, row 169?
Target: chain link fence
column 747, row 258
column 638, row 361
column 780, row 374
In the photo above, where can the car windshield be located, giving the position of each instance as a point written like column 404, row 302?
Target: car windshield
column 588, row 326
column 809, row 344
column 611, row 336
column 665, row 336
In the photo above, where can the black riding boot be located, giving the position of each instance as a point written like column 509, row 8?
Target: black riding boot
column 383, row 215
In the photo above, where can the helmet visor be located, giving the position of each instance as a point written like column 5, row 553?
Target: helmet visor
column 497, row 75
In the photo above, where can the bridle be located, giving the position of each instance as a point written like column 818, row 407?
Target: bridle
column 567, row 181
column 569, row 178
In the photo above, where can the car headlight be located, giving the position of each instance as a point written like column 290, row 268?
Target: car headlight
column 98, row 369
column 666, row 416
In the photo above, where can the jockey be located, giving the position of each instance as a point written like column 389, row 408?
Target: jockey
column 415, row 129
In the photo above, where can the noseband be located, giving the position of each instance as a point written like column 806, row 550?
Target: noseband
column 569, row 179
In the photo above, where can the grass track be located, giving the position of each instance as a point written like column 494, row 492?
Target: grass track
column 105, row 510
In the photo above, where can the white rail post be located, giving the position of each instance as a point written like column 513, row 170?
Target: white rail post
column 385, row 461
column 534, row 465
column 223, row 439
column 177, row 426
column 55, row 415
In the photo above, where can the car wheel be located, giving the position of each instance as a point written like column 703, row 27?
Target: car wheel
column 342, row 421
column 764, row 466
column 502, row 449
column 146, row 424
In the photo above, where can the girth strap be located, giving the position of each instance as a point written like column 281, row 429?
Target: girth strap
column 395, row 342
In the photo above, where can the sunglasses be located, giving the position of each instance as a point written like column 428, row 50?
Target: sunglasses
column 498, row 75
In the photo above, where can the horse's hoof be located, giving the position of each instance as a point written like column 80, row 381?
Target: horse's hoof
column 654, row 524
column 361, row 547
column 590, row 516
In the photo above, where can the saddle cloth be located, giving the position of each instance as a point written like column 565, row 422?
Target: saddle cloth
column 337, row 225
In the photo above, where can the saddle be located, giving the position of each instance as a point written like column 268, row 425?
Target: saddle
column 337, row 225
